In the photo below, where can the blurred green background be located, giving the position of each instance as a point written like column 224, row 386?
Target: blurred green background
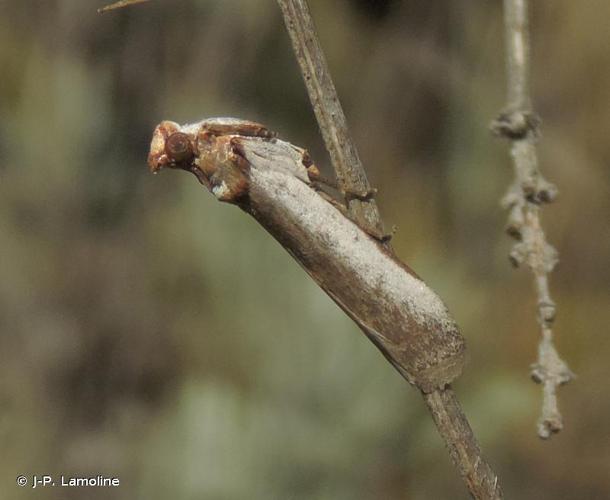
column 153, row 334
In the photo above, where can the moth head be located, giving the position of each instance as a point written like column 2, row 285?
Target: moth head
column 170, row 147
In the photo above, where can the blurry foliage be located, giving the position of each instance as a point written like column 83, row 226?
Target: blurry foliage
column 151, row 333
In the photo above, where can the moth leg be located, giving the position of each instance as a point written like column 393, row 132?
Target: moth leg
column 380, row 236
column 333, row 201
column 314, row 175
column 317, row 179
column 342, row 207
column 362, row 196
column 201, row 177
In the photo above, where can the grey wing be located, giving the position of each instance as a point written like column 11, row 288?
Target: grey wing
column 380, row 341
column 385, row 345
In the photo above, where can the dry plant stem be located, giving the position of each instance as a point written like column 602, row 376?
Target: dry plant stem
column 119, row 5
column 520, row 125
column 348, row 168
column 465, row 452
column 448, row 416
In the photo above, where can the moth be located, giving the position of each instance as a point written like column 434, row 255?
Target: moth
column 245, row 164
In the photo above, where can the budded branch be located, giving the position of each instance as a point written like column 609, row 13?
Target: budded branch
column 524, row 199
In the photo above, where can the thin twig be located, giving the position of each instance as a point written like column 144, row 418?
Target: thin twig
column 350, row 173
column 480, row 479
column 119, row 5
column 530, row 189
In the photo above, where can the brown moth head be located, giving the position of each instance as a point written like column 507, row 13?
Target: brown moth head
column 170, row 147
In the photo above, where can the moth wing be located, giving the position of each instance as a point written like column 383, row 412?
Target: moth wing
column 381, row 342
